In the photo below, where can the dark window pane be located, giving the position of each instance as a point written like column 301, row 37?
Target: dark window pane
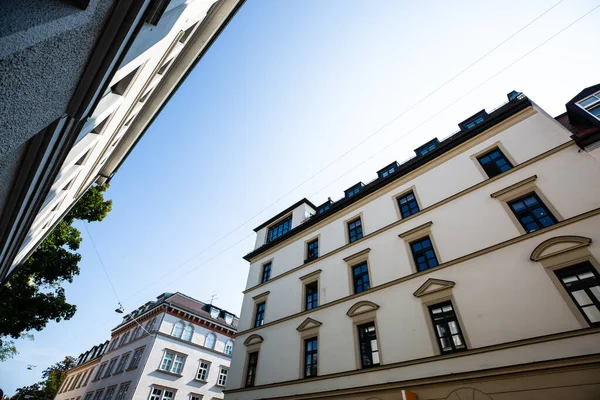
column 266, row 272
column 532, row 213
column 355, row 230
column 367, row 342
column 494, row 163
column 310, row 357
column 279, row 229
column 360, row 274
column 582, row 282
column 408, row 205
column 447, row 328
column 423, row 254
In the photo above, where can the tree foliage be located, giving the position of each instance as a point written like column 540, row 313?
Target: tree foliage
column 33, row 296
column 53, row 377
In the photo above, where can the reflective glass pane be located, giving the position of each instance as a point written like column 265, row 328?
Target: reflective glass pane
column 375, row 358
column 596, row 291
column 581, row 297
column 592, row 313
column 586, row 275
column 445, row 342
column 457, row 341
column 453, row 327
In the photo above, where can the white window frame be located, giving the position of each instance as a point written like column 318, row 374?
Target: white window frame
column 594, row 104
column 228, row 346
column 206, row 370
column 223, row 372
column 161, row 395
column 174, row 362
column 188, row 328
column 178, row 328
column 214, row 340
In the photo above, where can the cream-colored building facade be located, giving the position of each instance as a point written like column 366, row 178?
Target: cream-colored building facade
column 468, row 272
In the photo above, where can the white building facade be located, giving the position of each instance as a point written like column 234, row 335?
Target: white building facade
column 470, row 271
column 53, row 166
column 176, row 348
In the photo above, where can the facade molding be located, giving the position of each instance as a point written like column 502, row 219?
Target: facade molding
column 440, row 203
column 308, row 323
column 433, row 285
column 595, row 358
column 253, row 339
column 516, row 186
column 446, row 264
column 418, row 230
column 355, row 256
column 362, row 307
column 558, row 245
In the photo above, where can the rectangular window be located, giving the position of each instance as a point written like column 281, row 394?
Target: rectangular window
column 89, row 375
column 582, row 283
column 195, row 397
column 156, row 394
column 367, row 343
column 532, row 213
column 77, row 377
column 251, row 371
column 423, row 254
column 137, row 356
column 161, row 394
column 98, row 394
column 124, row 338
column 446, row 328
column 280, row 228
column 408, row 205
column 122, row 391
column 111, row 367
column 222, row 380
column 591, row 104
column 355, row 231
column 266, row 274
column 310, row 357
column 122, row 362
column 260, row 314
column 88, row 396
column 83, row 378
column 100, row 370
column 354, row 190
column 312, row 295
column 360, row 277
column 172, row 362
column 109, row 393
column 494, row 163
column 312, row 250
column 203, row 371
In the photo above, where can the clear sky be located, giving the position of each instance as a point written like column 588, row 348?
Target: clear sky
column 287, row 88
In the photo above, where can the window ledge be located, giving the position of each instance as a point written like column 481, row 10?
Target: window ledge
column 200, row 380
column 221, row 386
column 169, row 373
column 130, row 369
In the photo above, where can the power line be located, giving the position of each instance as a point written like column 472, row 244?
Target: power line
column 102, row 263
column 377, row 131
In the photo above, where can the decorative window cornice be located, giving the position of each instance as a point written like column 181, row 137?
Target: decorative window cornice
column 558, row 245
column 308, row 323
column 362, row 307
column 432, row 285
column 514, row 187
column 253, row 339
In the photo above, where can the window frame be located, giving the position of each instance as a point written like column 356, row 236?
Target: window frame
column 403, row 194
column 348, row 231
column 173, row 362
column 121, row 395
column 416, row 253
column 362, row 264
column 220, row 375
column 205, row 370
column 310, row 304
column 258, row 312
column 137, row 360
column 228, row 343
column 281, row 222
column 527, row 210
column 491, row 169
column 249, row 357
column 210, row 334
column 267, row 267
column 307, row 252
column 357, row 328
column 458, row 324
column 314, row 356
column 595, row 299
column 416, row 234
column 122, row 362
column 593, row 105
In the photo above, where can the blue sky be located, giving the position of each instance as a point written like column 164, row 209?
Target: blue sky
column 288, row 88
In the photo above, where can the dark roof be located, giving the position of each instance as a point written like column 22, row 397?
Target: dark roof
column 92, row 354
column 495, row 117
column 282, row 213
column 187, row 303
column 584, row 126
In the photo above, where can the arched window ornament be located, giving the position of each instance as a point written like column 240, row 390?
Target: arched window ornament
column 229, row 347
column 210, row 341
column 177, row 330
column 188, row 331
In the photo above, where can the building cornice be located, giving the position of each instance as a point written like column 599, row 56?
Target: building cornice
column 196, row 345
column 495, row 118
column 421, row 212
column 182, row 313
column 446, row 264
column 595, row 358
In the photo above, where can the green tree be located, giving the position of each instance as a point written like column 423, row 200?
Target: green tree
column 53, row 377
column 33, row 296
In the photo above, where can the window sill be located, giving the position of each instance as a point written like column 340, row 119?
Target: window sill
column 310, row 259
column 200, row 380
column 118, row 372
column 130, row 369
column 169, row 373
column 221, row 386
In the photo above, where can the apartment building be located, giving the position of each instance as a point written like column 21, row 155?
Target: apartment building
column 83, row 81
column 470, row 271
column 174, row 348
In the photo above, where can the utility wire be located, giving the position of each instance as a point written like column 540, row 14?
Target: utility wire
column 412, row 130
column 102, row 263
column 377, row 131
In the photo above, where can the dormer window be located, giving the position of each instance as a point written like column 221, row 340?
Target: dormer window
column 427, row 147
column 325, row 206
column 280, row 228
column 473, row 121
column 388, row 170
column 228, row 319
column 354, row 190
column 591, row 104
column 214, row 312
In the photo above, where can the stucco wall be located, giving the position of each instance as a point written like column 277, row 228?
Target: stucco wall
column 501, row 296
